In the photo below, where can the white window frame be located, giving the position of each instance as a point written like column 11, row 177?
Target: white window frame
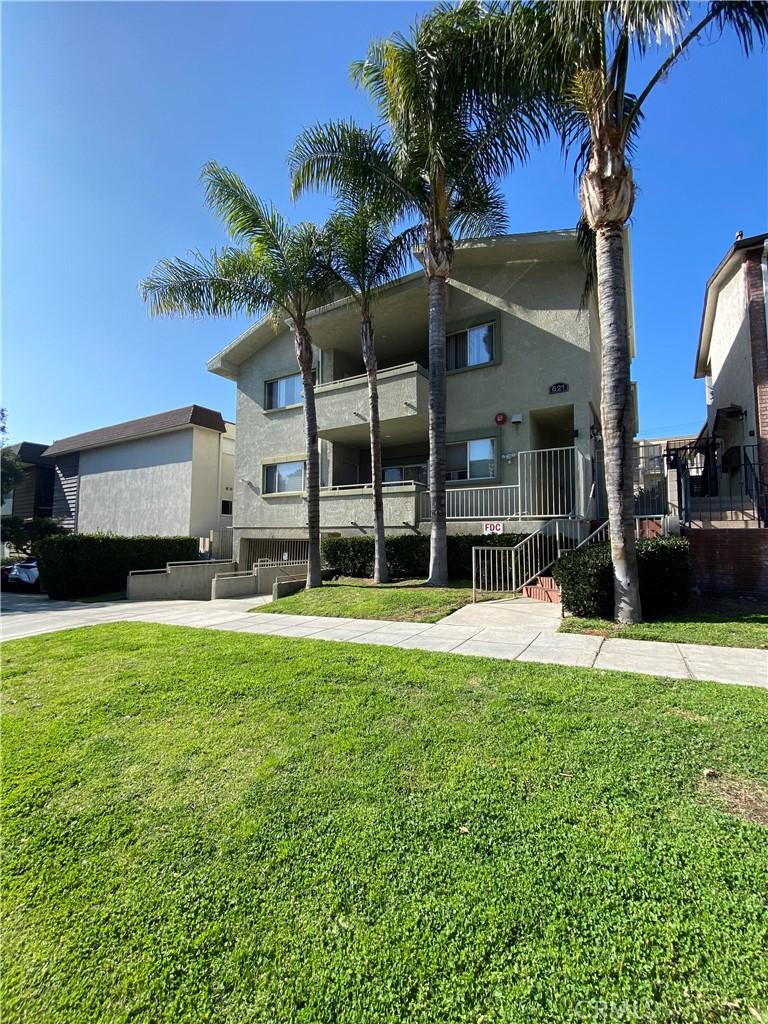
column 491, row 324
column 276, row 380
column 467, row 479
column 289, row 462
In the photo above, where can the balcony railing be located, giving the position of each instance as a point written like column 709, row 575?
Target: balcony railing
column 475, row 503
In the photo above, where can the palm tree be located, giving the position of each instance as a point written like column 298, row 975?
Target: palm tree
column 280, row 271
column 577, row 55
column 363, row 256
column 435, row 162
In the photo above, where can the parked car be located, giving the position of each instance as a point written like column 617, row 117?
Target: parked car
column 23, row 576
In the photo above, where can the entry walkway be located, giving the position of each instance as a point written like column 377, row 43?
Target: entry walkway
column 527, row 632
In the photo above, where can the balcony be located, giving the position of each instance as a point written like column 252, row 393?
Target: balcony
column 552, row 484
column 342, row 407
column 351, row 505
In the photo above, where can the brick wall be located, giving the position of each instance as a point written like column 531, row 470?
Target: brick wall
column 759, row 347
column 730, row 561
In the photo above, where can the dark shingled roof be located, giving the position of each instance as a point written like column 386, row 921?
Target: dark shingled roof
column 30, row 453
column 188, row 416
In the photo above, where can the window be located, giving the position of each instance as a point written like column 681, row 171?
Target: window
column 226, row 507
column 397, row 474
column 284, row 391
column 470, row 348
column 283, row 476
column 471, row 460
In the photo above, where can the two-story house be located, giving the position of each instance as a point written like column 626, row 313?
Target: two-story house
column 170, row 474
column 523, row 400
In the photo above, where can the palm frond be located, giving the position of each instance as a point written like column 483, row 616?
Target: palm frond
column 357, row 163
column 222, row 284
column 479, row 209
column 246, row 217
column 747, row 18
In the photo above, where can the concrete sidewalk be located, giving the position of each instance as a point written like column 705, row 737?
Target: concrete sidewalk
column 475, row 630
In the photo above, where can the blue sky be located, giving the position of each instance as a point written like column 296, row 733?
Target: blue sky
column 110, row 109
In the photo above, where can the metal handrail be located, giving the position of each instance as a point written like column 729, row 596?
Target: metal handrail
column 509, row 569
column 601, row 530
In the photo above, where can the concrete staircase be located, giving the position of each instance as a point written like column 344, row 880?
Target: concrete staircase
column 544, row 589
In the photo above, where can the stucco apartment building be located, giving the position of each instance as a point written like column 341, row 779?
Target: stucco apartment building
column 171, row 474
column 523, row 399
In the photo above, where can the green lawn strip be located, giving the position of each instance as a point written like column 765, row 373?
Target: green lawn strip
column 723, row 622
column 404, row 601
column 204, row 826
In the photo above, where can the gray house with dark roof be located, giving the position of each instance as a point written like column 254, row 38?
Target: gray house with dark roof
column 171, row 474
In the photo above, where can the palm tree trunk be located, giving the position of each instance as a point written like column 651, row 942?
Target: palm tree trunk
column 616, row 414
column 380, row 572
column 438, row 547
column 312, row 483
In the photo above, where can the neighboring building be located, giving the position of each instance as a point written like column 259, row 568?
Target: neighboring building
column 733, row 353
column 719, row 480
column 171, row 474
column 33, row 494
column 523, row 399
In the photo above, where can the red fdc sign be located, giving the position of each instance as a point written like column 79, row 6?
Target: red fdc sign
column 493, row 527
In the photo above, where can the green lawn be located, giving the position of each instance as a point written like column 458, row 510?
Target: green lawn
column 208, row 828
column 404, row 601
column 727, row 622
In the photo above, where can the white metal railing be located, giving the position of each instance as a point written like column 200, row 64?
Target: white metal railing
column 268, row 549
column 475, row 503
column 334, row 488
column 509, row 569
column 598, row 536
column 553, row 483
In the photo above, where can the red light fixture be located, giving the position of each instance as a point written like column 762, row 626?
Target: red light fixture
column 500, row 418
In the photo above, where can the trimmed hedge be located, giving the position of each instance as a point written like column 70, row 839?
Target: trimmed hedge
column 586, row 577
column 85, row 565
column 408, row 554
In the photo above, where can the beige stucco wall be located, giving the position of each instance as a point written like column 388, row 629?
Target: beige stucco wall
column 730, row 359
column 137, row 487
column 227, row 480
column 165, row 485
column 541, row 337
column 205, row 502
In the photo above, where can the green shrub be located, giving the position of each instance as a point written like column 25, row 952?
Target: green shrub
column 586, row 577
column 408, row 554
column 84, row 565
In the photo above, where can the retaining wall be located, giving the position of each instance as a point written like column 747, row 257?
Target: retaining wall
column 179, row 581
column 233, row 586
